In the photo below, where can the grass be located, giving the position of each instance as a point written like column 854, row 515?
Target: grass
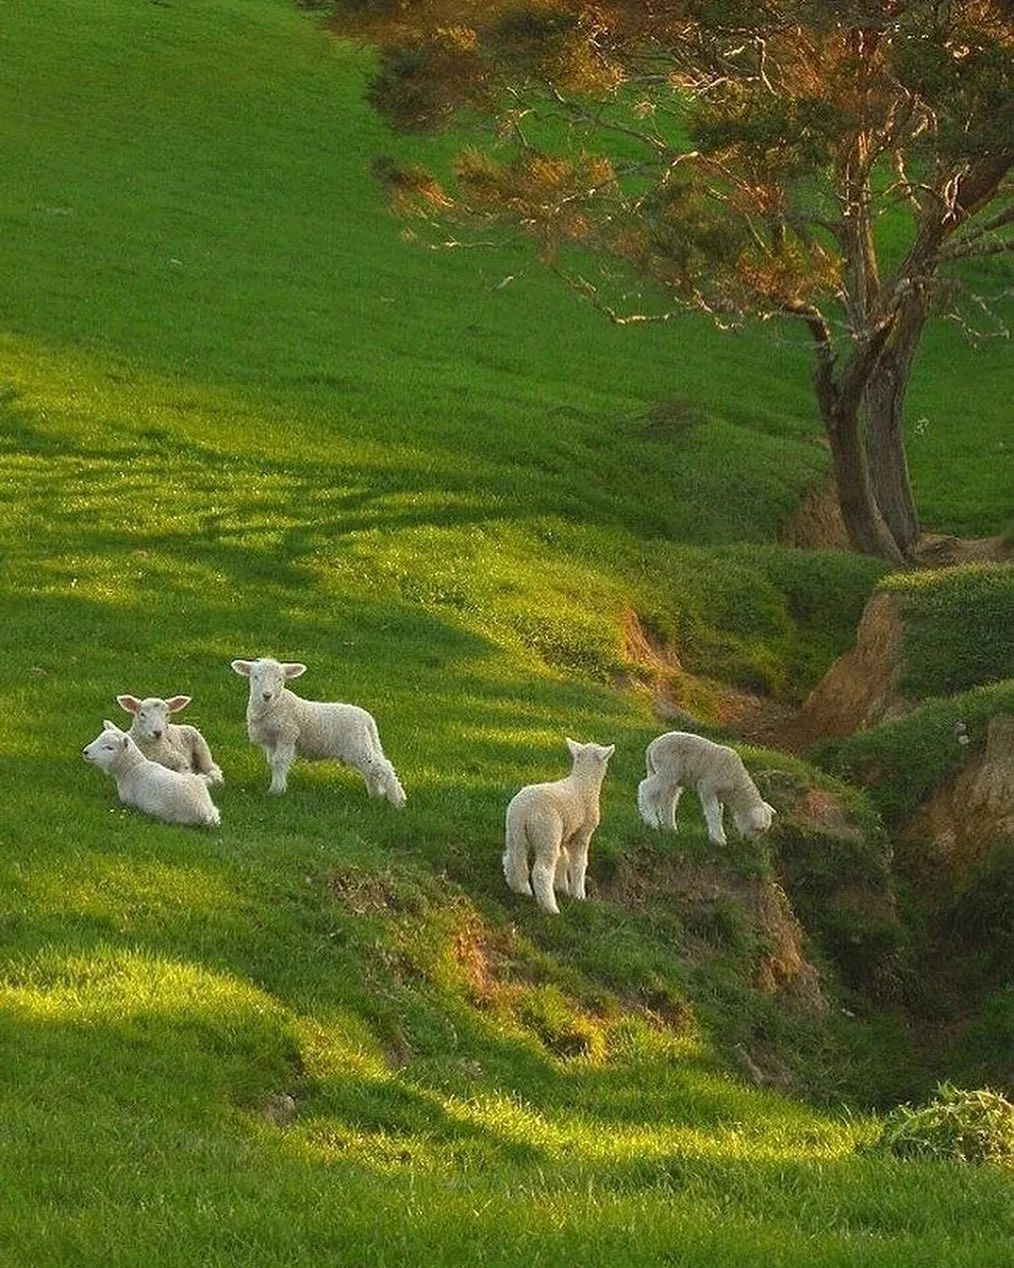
column 240, row 416
column 959, row 628
column 903, row 760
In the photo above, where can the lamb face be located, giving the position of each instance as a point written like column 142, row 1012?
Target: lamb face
column 106, row 748
column 152, row 715
column 267, row 679
column 756, row 821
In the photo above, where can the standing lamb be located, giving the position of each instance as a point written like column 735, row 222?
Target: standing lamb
column 180, row 748
column 556, row 821
column 679, row 758
column 285, row 725
column 165, row 794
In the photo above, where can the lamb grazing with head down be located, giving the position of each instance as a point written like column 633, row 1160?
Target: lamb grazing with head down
column 179, row 748
column 556, row 822
column 286, row 726
column 173, row 796
column 679, row 758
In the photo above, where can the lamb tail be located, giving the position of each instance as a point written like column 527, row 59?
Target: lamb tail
column 515, row 857
column 647, row 802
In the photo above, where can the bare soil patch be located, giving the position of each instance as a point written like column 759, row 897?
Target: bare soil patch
column 972, row 811
column 861, row 688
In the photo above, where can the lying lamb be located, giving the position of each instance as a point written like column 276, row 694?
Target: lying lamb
column 285, row 725
column 151, row 787
column 679, row 758
column 180, row 748
column 556, row 821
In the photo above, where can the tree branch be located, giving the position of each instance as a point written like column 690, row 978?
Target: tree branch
column 590, row 292
column 975, row 250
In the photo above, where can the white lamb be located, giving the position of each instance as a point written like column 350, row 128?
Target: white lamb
column 679, row 758
column 286, row 726
column 556, row 821
column 165, row 794
column 180, row 748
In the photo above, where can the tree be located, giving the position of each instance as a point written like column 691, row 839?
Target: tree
column 821, row 162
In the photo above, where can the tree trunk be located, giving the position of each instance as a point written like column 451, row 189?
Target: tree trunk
column 885, row 441
column 840, row 399
column 867, row 529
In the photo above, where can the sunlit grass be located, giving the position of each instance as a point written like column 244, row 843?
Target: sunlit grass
column 238, row 415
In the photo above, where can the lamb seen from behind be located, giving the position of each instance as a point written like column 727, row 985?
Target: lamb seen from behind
column 556, row 822
column 180, row 748
column 679, row 758
column 286, row 726
column 173, row 796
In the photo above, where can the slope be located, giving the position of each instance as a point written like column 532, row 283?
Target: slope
column 241, row 416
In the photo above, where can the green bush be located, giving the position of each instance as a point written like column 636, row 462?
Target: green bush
column 956, row 1126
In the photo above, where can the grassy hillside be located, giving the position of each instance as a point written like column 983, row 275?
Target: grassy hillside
column 240, row 416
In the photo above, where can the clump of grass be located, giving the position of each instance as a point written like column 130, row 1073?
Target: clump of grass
column 956, row 1126
column 959, row 627
column 981, row 908
column 564, row 1031
column 902, row 761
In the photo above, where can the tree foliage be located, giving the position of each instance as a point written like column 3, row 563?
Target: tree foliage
column 739, row 155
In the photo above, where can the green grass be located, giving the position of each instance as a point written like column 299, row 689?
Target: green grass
column 902, row 761
column 241, row 416
column 959, row 628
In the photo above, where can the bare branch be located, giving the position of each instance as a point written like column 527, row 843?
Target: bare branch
column 596, row 121
column 590, row 292
column 976, row 250
column 973, row 235
column 824, row 381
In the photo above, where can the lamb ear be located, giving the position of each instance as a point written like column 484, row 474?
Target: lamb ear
column 573, row 745
column 111, row 726
column 771, row 810
column 293, row 670
column 608, row 751
column 243, row 667
column 176, row 703
column 130, row 704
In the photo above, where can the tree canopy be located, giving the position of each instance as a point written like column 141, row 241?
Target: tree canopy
column 741, row 156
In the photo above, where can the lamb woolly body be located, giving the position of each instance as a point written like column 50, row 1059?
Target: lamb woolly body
column 286, row 726
column 556, row 821
column 179, row 748
column 164, row 794
column 679, row 758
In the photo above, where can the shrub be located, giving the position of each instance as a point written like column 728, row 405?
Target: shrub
column 956, row 1126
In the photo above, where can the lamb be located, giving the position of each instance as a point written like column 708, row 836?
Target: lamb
column 679, row 758
column 285, row 725
column 556, row 821
column 179, row 748
column 164, row 794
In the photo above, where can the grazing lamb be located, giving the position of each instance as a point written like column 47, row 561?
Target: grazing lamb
column 286, row 726
column 151, row 787
column 679, row 758
column 556, row 821
column 180, row 748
